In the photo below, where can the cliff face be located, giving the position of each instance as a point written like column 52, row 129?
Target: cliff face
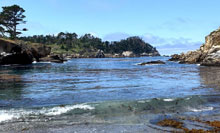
column 12, row 52
column 208, row 54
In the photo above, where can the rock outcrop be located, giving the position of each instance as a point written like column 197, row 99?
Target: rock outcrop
column 207, row 55
column 40, row 51
column 153, row 53
column 100, row 54
column 152, row 63
column 12, row 52
column 53, row 58
column 128, row 54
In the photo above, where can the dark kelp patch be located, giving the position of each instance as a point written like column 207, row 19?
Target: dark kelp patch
column 180, row 125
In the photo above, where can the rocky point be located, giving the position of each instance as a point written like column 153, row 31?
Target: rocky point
column 207, row 55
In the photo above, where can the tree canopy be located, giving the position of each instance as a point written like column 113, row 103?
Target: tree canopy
column 10, row 18
column 89, row 43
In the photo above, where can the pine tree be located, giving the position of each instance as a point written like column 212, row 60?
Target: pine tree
column 10, row 18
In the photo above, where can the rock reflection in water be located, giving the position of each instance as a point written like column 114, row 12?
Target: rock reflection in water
column 210, row 77
column 10, row 86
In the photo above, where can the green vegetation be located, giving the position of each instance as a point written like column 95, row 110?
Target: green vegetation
column 71, row 43
column 10, row 18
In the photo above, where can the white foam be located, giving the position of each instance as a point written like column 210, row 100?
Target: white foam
column 65, row 109
column 46, row 62
column 188, row 98
column 201, row 109
column 168, row 100
column 144, row 101
column 6, row 115
column 198, row 64
column 141, row 101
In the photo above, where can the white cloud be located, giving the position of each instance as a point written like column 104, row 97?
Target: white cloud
column 171, row 45
column 166, row 46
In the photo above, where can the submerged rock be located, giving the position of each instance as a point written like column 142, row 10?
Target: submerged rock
column 9, row 78
column 152, row 63
column 170, row 123
column 207, row 55
column 177, row 124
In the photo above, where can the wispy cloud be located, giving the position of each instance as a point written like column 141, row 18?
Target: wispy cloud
column 172, row 45
column 166, row 46
column 176, row 24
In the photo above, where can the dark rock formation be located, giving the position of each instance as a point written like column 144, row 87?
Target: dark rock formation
column 24, row 57
column 53, row 58
column 175, row 57
column 100, row 54
column 40, row 51
column 12, row 52
column 152, row 63
column 207, row 55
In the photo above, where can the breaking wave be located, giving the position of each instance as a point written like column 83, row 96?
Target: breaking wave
column 113, row 108
column 6, row 115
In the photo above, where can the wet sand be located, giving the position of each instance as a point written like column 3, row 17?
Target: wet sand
column 148, row 127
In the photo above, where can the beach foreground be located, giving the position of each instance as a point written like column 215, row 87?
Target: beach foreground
column 108, row 95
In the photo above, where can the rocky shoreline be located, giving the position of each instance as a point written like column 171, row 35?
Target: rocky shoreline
column 207, row 55
column 12, row 52
column 20, row 52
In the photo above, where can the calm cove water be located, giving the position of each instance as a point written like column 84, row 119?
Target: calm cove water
column 109, row 90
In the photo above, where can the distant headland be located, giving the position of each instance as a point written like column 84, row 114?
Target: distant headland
column 61, row 47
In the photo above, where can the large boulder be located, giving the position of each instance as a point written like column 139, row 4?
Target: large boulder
column 175, row 57
column 152, row 63
column 191, row 57
column 100, row 54
column 212, row 57
column 128, row 54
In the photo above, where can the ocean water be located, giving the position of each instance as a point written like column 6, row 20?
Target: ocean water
column 107, row 91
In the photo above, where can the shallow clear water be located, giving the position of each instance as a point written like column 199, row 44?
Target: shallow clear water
column 103, row 89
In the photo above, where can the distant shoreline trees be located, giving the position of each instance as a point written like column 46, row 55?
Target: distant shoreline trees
column 10, row 18
column 88, row 43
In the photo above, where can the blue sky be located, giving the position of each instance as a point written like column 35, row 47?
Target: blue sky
column 172, row 26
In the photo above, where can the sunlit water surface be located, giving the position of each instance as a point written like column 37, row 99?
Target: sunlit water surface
column 109, row 90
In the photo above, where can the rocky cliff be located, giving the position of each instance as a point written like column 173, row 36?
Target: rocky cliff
column 16, row 52
column 207, row 55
